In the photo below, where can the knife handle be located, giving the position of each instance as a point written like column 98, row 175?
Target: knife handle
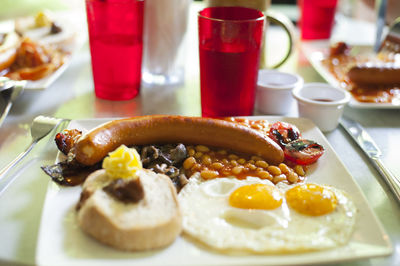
column 390, row 179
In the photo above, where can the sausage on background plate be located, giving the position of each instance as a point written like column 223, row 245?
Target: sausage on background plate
column 373, row 74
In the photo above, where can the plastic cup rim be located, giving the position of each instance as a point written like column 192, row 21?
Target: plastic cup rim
column 231, row 20
column 289, row 86
column 343, row 101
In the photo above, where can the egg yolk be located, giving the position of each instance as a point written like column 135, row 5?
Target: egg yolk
column 311, row 199
column 122, row 163
column 256, row 196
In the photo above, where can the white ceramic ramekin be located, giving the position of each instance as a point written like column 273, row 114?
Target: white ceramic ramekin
column 274, row 91
column 321, row 103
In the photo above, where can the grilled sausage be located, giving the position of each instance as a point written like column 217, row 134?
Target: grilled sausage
column 96, row 144
column 385, row 74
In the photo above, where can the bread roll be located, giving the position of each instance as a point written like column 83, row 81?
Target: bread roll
column 153, row 222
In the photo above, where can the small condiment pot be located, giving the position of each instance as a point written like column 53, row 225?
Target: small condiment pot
column 274, row 91
column 322, row 103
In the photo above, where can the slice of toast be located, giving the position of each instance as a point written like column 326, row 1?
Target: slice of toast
column 153, row 222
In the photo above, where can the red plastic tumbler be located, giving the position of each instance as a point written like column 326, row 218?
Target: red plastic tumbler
column 229, row 42
column 317, row 18
column 116, row 43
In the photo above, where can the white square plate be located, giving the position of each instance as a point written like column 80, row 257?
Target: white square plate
column 61, row 242
column 316, row 52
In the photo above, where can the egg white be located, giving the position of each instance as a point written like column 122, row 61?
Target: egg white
column 208, row 217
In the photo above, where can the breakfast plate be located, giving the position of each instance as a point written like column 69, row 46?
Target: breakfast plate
column 71, row 38
column 61, row 241
column 317, row 51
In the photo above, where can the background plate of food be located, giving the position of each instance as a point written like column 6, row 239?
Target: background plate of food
column 39, row 48
column 230, row 235
column 359, row 70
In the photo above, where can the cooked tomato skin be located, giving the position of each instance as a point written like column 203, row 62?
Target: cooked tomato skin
column 303, row 151
column 283, row 133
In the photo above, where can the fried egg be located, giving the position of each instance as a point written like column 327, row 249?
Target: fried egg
column 254, row 215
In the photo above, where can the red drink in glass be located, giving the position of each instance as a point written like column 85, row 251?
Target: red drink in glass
column 116, row 43
column 317, row 18
column 230, row 40
column 228, row 94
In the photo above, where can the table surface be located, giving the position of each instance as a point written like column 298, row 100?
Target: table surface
column 72, row 96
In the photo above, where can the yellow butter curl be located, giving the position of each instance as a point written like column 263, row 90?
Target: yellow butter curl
column 122, row 162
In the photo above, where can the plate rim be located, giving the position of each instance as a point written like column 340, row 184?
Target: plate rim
column 79, row 40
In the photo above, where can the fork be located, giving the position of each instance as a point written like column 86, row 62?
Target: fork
column 391, row 43
column 380, row 23
column 10, row 91
column 41, row 127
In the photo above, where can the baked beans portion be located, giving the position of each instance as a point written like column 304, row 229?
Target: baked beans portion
column 260, row 125
column 214, row 163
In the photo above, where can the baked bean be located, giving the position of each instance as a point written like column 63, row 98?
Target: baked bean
column 225, row 161
column 196, row 167
column 198, row 154
column 251, row 161
column 256, row 126
column 222, row 152
column 256, row 158
column 241, row 161
column 202, row 148
column 233, row 157
column 250, row 166
column 217, row 166
column 292, row 177
column 226, row 173
column 237, row 170
column 261, row 163
column 240, row 120
column 264, row 175
column 299, row 170
column 208, row 174
column 284, row 168
column 233, row 163
column 278, row 178
column 274, row 170
column 259, row 169
column 189, row 162
column 206, row 159
column 191, row 151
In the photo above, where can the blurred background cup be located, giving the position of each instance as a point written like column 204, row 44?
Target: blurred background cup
column 164, row 41
column 116, row 42
column 316, row 18
column 229, row 43
column 276, row 18
column 322, row 103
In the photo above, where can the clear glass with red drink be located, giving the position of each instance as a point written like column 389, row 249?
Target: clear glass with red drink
column 317, row 18
column 116, row 44
column 229, row 43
